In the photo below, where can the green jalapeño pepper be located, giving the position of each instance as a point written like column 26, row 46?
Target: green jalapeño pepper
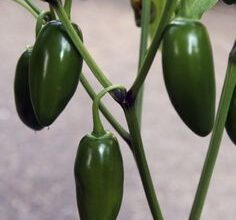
column 99, row 177
column 55, row 67
column 99, row 172
column 21, row 91
column 231, row 118
column 189, row 73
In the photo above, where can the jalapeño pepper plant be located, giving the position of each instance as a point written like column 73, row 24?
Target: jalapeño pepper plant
column 48, row 72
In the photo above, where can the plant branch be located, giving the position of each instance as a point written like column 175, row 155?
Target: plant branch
column 33, row 6
column 145, row 20
column 140, row 158
column 213, row 150
column 67, row 7
column 148, row 60
column 27, row 7
column 80, row 46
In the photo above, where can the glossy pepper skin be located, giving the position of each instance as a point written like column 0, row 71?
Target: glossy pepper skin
column 99, row 177
column 189, row 73
column 55, row 67
column 21, row 92
column 231, row 119
column 229, row 2
column 230, row 124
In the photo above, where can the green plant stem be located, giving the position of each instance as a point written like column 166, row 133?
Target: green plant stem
column 98, row 128
column 27, row 7
column 115, row 124
column 185, row 10
column 80, row 46
column 33, row 6
column 145, row 20
column 139, row 154
column 227, row 92
column 67, row 7
column 52, row 12
column 149, row 57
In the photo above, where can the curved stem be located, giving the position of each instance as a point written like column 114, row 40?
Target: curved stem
column 98, row 128
column 183, row 9
column 42, row 19
column 27, row 7
column 52, row 12
column 146, row 64
column 33, row 6
column 80, row 46
column 213, row 150
column 145, row 20
column 67, row 7
column 139, row 154
column 115, row 124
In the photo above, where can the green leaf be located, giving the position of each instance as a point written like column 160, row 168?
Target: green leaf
column 196, row 8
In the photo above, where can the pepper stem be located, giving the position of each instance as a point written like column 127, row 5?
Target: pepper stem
column 98, row 128
column 183, row 9
column 107, row 114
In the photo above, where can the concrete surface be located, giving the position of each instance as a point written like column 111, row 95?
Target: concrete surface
column 36, row 178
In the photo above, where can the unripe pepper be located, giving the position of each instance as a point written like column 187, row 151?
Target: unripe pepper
column 231, row 118
column 99, row 177
column 98, row 169
column 189, row 73
column 55, row 67
column 22, row 94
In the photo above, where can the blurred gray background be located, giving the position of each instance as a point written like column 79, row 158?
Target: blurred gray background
column 36, row 169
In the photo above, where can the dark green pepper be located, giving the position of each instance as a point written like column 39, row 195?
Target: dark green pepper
column 99, row 177
column 189, row 73
column 55, row 67
column 21, row 91
column 229, row 2
column 231, row 117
